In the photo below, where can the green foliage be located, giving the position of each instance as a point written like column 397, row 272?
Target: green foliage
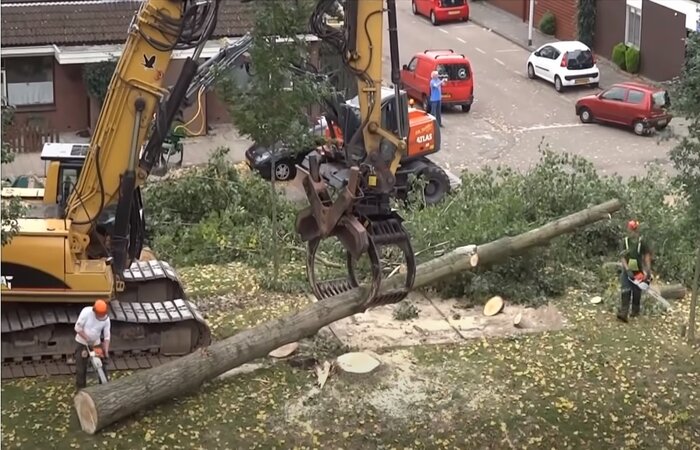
column 686, row 155
column 585, row 19
column 12, row 208
column 97, row 77
column 618, row 55
column 632, row 56
column 548, row 24
column 214, row 215
column 272, row 108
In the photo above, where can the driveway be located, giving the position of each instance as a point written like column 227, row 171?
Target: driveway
column 513, row 114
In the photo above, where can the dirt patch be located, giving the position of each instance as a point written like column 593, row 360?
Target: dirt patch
column 440, row 321
column 400, row 389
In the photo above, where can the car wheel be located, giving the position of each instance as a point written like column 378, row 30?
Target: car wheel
column 557, row 84
column 285, row 171
column 413, row 7
column 530, row 71
column 433, row 18
column 585, row 115
column 425, row 104
column 466, row 107
column 639, row 128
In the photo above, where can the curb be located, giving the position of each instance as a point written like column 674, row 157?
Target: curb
column 513, row 40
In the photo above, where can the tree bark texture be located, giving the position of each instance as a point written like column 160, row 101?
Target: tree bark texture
column 101, row 405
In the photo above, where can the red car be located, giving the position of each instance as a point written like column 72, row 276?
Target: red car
column 442, row 10
column 635, row 105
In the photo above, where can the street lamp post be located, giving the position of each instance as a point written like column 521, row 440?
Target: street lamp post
column 529, row 25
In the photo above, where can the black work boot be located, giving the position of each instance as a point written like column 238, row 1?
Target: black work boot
column 621, row 318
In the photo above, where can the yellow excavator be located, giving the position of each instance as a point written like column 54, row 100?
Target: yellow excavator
column 83, row 241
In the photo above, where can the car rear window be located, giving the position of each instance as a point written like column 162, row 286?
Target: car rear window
column 579, row 59
column 661, row 99
column 454, row 72
column 452, row 3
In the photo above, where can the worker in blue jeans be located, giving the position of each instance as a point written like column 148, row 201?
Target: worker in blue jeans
column 436, row 96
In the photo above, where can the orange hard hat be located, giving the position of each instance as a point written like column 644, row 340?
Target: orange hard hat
column 100, row 307
column 632, row 225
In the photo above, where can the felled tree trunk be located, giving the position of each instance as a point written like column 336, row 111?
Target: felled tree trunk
column 101, row 405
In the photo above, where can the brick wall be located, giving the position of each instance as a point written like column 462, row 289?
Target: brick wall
column 70, row 109
column 564, row 13
column 515, row 7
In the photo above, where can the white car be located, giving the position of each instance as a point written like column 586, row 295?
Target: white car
column 564, row 63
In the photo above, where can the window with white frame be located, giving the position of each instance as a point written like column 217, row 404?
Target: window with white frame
column 633, row 28
column 29, row 80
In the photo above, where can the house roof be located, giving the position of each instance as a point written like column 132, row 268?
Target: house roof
column 30, row 23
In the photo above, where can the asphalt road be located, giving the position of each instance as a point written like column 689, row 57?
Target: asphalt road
column 513, row 114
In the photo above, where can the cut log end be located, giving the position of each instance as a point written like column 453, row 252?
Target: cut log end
column 474, row 260
column 284, row 351
column 493, row 306
column 357, row 362
column 87, row 413
column 518, row 320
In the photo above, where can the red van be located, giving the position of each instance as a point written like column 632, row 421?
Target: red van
column 455, row 67
column 442, row 10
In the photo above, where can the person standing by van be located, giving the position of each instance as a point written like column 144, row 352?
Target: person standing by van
column 436, row 96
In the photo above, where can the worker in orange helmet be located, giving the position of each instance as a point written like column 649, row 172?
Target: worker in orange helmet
column 92, row 330
column 636, row 266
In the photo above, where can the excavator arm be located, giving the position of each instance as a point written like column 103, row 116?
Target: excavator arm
column 117, row 162
column 361, row 217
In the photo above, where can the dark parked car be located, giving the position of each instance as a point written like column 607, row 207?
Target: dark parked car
column 259, row 158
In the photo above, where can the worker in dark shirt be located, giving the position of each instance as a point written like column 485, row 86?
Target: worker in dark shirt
column 636, row 265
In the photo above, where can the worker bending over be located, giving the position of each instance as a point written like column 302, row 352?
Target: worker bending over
column 636, row 265
column 92, row 324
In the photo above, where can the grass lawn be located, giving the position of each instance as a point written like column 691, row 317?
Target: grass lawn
column 598, row 384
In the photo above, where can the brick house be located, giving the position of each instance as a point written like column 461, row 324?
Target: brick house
column 658, row 28
column 564, row 12
column 45, row 46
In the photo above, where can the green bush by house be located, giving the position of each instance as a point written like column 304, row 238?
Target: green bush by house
column 632, row 60
column 548, row 24
column 618, row 55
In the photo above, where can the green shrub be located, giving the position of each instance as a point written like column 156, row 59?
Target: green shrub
column 212, row 214
column 632, row 60
column 548, row 24
column 619, row 54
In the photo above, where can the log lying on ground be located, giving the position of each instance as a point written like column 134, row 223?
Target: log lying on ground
column 101, row 405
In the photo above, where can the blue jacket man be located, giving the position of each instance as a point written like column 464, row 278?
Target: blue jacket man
column 436, row 96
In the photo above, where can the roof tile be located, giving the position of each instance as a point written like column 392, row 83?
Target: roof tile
column 93, row 23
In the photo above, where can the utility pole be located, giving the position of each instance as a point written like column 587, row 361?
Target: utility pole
column 529, row 25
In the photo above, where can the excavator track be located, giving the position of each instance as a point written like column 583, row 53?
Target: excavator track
column 152, row 322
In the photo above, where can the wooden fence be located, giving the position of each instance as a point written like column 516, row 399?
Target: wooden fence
column 28, row 138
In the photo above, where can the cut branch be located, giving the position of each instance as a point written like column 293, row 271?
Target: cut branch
column 101, row 405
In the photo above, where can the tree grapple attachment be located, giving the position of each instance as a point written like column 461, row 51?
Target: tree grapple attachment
column 362, row 228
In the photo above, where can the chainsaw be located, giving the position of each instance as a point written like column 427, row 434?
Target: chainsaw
column 95, row 356
column 640, row 282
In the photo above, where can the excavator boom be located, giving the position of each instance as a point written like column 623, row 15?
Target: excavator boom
column 84, row 243
column 361, row 217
